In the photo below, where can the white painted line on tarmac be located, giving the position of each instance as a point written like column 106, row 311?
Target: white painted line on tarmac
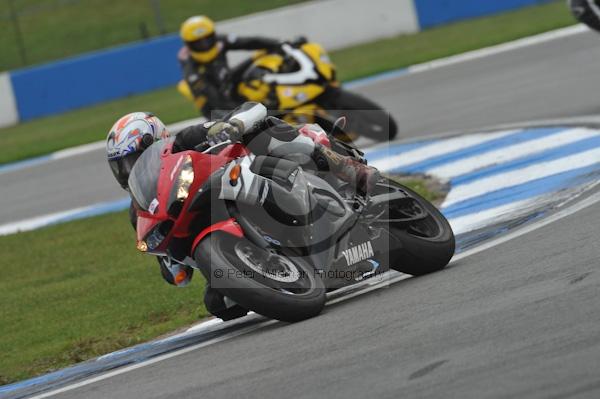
column 83, row 149
column 64, row 216
column 36, row 222
column 157, row 359
column 204, row 325
column 80, row 149
column 393, row 278
column 471, row 55
column 500, row 48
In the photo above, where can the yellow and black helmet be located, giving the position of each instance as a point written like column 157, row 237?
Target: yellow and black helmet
column 198, row 33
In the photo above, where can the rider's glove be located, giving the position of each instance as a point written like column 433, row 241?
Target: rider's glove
column 295, row 42
column 221, row 132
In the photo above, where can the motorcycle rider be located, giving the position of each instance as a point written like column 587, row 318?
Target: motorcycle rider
column 586, row 11
column 263, row 135
column 204, row 65
column 126, row 140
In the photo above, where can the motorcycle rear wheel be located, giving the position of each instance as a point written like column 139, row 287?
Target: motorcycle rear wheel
column 365, row 117
column 269, row 283
column 428, row 245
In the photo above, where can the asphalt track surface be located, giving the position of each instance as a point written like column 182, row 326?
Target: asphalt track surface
column 550, row 80
column 516, row 320
column 519, row 320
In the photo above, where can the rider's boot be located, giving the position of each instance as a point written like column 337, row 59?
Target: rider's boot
column 358, row 175
column 221, row 306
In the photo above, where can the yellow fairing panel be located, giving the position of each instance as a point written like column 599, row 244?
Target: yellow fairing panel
column 271, row 62
column 322, row 61
column 255, row 90
column 304, row 114
column 293, row 96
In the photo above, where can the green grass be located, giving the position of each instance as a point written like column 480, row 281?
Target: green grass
column 78, row 290
column 91, row 124
column 56, row 29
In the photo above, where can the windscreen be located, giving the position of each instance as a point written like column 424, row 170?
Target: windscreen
column 143, row 180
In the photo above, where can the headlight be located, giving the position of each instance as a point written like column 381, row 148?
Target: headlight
column 184, row 180
column 156, row 237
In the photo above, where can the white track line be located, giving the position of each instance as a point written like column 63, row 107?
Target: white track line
column 510, row 153
column 500, row 48
column 38, row 221
column 464, row 192
column 157, row 359
column 398, row 277
column 436, row 149
column 80, row 149
column 85, row 148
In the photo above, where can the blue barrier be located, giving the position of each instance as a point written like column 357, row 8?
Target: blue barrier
column 437, row 12
column 100, row 76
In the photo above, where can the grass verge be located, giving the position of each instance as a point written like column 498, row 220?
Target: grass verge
column 91, row 124
column 53, row 29
column 79, row 290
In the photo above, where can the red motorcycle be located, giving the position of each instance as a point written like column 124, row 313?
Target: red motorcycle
column 274, row 236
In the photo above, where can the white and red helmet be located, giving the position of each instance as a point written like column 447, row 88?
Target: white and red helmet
column 128, row 138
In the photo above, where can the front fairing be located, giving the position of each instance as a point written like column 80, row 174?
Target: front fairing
column 145, row 174
column 163, row 213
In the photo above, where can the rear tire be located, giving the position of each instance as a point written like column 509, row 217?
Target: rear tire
column 421, row 255
column 280, row 297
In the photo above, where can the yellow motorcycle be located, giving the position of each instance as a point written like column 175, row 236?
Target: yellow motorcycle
column 299, row 85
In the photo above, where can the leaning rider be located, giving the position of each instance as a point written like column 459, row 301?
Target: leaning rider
column 135, row 132
column 204, row 65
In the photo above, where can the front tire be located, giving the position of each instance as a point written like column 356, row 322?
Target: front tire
column 271, row 284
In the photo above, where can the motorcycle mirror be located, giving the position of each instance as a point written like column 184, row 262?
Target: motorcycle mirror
column 339, row 124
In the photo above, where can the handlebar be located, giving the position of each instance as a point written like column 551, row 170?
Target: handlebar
column 216, row 146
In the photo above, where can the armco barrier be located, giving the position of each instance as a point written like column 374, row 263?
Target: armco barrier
column 136, row 68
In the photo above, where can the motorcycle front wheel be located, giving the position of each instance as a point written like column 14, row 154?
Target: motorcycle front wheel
column 267, row 282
